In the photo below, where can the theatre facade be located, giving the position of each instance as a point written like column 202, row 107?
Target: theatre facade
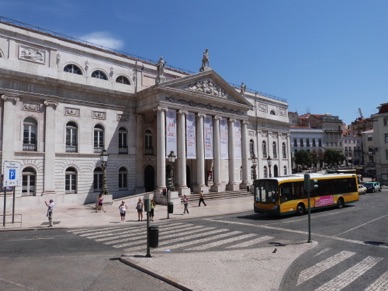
column 65, row 101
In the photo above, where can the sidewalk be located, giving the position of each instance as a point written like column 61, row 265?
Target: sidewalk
column 246, row 269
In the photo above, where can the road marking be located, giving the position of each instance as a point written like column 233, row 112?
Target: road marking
column 221, row 242
column 297, row 232
column 322, row 266
column 361, row 225
column 184, row 244
column 250, row 242
column 351, row 274
column 380, row 284
column 17, row 284
column 322, row 252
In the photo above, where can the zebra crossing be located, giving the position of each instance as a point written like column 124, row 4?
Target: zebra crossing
column 173, row 236
column 359, row 267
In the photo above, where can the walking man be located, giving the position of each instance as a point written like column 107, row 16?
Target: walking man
column 50, row 208
column 201, row 199
column 186, row 204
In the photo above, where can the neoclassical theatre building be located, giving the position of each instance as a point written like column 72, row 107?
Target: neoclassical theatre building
column 64, row 101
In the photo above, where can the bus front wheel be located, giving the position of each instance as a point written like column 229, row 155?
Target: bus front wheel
column 340, row 203
column 300, row 209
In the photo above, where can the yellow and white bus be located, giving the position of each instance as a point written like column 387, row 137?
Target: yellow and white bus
column 287, row 195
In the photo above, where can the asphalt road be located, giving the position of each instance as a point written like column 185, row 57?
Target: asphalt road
column 352, row 253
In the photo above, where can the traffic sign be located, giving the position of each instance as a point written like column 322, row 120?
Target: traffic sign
column 12, row 174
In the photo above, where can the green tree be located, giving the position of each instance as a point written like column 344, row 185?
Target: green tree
column 303, row 158
column 333, row 158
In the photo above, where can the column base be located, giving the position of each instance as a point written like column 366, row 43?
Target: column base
column 204, row 188
column 245, row 185
column 217, row 188
column 233, row 187
column 184, row 191
column 48, row 192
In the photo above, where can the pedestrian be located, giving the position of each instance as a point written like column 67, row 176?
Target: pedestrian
column 201, row 199
column 123, row 210
column 50, row 209
column 100, row 203
column 139, row 208
column 152, row 212
column 186, row 204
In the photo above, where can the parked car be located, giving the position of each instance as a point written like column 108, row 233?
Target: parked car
column 361, row 189
column 372, row 187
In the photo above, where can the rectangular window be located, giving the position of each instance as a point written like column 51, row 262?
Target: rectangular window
column 301, row 142
column 386, row 138
column 295, row 142
column 70, row 183
column 386, row 155
column 123, row 184
column 307, row 142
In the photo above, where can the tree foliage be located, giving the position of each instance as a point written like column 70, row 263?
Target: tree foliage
column 303, row 158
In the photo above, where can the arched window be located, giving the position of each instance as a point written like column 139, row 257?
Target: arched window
column 264, row 148
column 284, row 150
column 29, row 182
column 148, row 142
column 98, row 138
column 274, row 150
column 123, row 145
column 123, row 179
column 123, row 80
column 29, row 134
column 285, row 171
column 97, row 179
column 71, row 137
column 71, row 180
column 251, row 147
column 99, row 75
column 72, row 69
column 272, row 112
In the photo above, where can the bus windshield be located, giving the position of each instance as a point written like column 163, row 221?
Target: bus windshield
column 266, row 191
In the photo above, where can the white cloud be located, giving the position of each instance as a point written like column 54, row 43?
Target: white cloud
column 103, row 39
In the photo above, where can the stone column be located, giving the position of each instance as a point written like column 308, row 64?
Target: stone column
column 181, row 155
column 49, row 148
column 217, row 187
column 232, row 186
column 9, row 114
column 161, row 153
column 245, row 151
column 139, row 153
column 200, row 156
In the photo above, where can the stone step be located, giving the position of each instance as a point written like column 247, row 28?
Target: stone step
column 219, row 195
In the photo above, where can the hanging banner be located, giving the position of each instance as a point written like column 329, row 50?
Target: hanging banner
column 224, row 138
column 208, row 136
column 190, row 136
column 171, row 142
column 237, row 140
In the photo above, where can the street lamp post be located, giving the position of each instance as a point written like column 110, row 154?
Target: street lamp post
column 254, row 164
column 171, row 159
column 269, row 161
column 104, row 163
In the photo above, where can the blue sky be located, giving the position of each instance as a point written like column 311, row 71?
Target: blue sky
column 327, row 56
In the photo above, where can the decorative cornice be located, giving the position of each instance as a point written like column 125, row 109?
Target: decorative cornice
column 51, row 103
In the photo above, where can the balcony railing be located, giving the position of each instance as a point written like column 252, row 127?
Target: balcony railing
column 149, row 151
column 98, row 150
column 71, row 148
column 123, row 150
column 30, row 147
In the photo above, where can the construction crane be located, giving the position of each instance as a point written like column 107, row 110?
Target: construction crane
column 360, row 112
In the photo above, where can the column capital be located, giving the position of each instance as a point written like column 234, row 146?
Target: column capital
column 218, row 117
column 51, row 103
column 201, row 114
column 10, row 98
column 185, row 112
column 160, row 108
column 246, row 122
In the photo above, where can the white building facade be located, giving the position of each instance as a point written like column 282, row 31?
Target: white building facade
column 63, row 102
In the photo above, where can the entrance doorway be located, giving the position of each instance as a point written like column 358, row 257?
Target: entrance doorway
column 149, row 178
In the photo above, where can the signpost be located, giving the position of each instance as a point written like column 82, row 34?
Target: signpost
column 11, row 178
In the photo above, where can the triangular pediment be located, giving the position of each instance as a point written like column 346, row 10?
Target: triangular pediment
column 205, row 85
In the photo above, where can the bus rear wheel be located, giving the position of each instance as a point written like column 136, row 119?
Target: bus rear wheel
column 300, row 209
column 340, row 203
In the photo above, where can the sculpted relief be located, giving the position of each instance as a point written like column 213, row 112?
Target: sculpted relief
column 32, row 54
column 207, row 87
